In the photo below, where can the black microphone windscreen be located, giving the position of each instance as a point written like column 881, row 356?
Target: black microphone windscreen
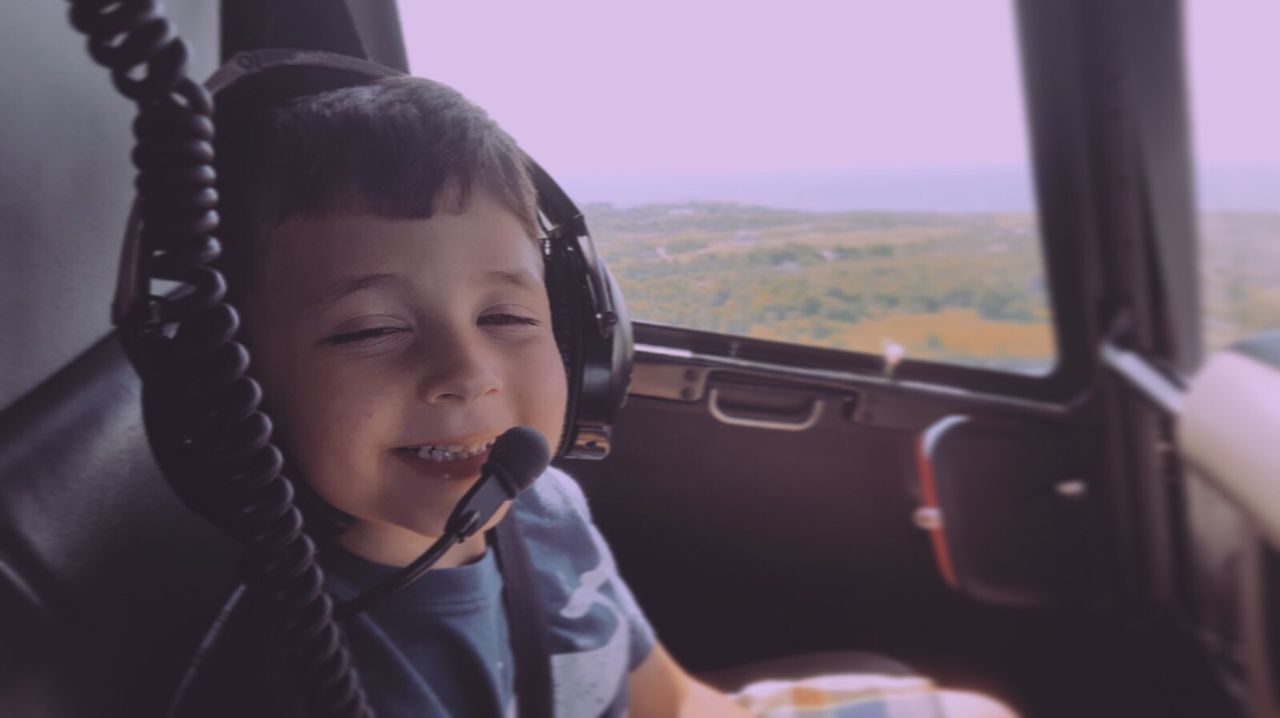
column 521, row 455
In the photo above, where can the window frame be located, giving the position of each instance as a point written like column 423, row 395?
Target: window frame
column 1063, row 94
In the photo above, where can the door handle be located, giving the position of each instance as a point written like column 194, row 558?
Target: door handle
column 815, row 412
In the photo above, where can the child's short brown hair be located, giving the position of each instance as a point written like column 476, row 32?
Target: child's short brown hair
column 401, row 147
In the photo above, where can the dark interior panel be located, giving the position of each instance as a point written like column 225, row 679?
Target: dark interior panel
column 1020, row 509
column 744, row 544
column 755, row 525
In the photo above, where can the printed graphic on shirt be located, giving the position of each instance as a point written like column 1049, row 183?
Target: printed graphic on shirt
column 586, row 681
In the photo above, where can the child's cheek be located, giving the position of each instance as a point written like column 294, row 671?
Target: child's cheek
column 548, row 392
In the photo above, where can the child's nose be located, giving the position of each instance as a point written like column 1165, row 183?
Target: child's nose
column 456, row 372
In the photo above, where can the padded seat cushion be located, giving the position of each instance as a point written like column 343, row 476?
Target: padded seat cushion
column 107, row 582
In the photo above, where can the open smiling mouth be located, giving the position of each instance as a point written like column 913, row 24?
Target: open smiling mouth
column 447, row 461
column 450, row 452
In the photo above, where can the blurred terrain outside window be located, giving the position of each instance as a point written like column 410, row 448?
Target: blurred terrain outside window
column 1235, row 114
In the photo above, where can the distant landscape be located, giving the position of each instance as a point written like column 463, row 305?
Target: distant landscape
column 1240, row 273
column 966, row 287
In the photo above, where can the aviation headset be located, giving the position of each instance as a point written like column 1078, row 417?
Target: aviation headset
column 201, row 409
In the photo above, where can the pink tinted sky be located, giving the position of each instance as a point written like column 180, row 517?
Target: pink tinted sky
column 1234, row 61
column 713, row 86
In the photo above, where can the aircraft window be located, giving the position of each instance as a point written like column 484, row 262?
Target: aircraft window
column 842, row 175
column 1232, row 56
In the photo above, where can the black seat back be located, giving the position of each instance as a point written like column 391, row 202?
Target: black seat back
column 107, row 582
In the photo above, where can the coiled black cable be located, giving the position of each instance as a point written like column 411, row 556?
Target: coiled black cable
column 185, row 342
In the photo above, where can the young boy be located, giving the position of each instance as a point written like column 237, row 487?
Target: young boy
column 381, row 244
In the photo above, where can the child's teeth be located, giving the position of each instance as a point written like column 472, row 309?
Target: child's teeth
column 455, row 452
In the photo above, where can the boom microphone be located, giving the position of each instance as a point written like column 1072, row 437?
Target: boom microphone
column 517, row 458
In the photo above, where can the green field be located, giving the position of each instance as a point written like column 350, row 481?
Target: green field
column 967, row 288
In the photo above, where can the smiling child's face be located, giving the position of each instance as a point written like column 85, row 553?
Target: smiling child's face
column 371, row 335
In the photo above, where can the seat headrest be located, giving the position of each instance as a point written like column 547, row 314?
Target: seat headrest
column 107, row 581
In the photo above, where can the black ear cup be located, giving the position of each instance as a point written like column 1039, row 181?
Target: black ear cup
column 591, row 324
column 601, row 351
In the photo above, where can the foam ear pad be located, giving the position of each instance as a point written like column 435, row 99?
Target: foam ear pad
column 168, row 432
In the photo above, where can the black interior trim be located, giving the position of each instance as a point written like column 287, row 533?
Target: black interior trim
column 255, row 25
column 1051, row 388
column 765, row 372
column 1163, row 139
column 377, row 22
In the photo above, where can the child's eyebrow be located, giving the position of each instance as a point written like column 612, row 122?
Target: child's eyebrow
column 517, row 278
column 368, row 281
column 521, row 279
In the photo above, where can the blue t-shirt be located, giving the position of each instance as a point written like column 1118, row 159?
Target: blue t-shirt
column 441, row 647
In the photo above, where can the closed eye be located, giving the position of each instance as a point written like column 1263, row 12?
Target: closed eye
column 507, row 320
column 362, row 335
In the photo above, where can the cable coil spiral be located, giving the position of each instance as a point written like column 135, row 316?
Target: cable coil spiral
column 185, row 343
